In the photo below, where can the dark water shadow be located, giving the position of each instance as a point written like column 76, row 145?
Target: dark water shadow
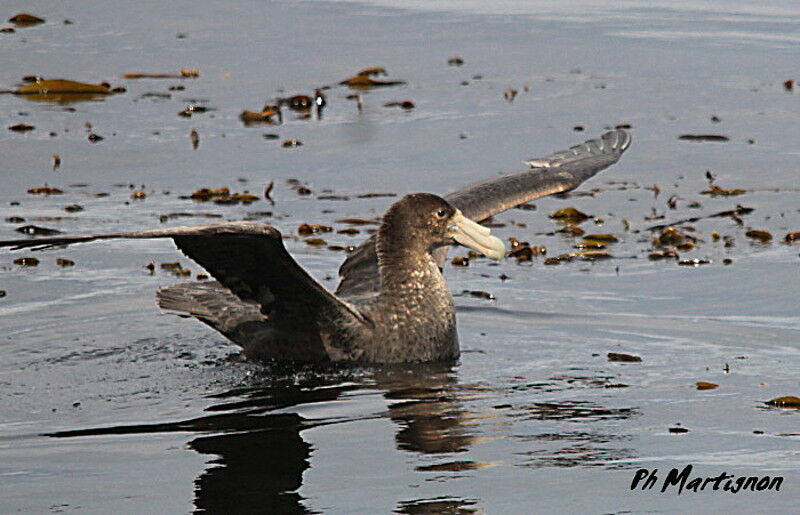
column 260, row 455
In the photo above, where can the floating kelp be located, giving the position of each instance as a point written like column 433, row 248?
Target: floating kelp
column 623, row 358
column 73, row 208
column 569, row 215
column 35, row 230
column 64, row 263
column 236, row 198
column 732, row 213
column 26, row 261
column 365, row 82
column 64, row 91
column 195, row 139
column 460, row 261
column 590, row 244
column 591, row 255
column 787, row 401
column 25, row 20
column 571, row 230
column 664, row 254
column 585, row 255
column 269, row 114
column 21, row 127
column 138, row 195
column 718, row 191
column 192, row 109
column 703, row 385
column 175, row 268
column 557, row 260
column 703, row 137
column 307, row 229
column 523, row 252
column 671, row 236
column 300, row 103
column 185, row 73
column 45, row 190
column 759, row 235
column 455, row 61
column 206, row 194
column 402, row 104
column 605, row 238
column 477, row 293
column 363, row 79
column 222, row 196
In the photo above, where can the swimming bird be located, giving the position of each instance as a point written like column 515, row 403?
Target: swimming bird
column 392, row 304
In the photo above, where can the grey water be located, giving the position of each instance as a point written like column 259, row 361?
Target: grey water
column 108, row 404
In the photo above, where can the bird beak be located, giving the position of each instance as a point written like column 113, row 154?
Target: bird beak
column 476, row 237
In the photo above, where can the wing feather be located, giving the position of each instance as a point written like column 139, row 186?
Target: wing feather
column 248, row 258
column 556, row 173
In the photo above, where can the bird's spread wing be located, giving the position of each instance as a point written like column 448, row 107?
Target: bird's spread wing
column 556, row 173
column 247, row 258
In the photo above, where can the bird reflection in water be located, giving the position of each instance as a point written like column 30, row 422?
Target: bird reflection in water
column 260, row 455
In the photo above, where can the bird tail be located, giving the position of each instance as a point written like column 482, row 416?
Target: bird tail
column 211, row 303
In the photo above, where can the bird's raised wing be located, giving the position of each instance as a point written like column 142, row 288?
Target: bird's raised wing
column 246, row 257
column 556, row 173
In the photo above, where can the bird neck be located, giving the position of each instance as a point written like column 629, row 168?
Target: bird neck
column 403, row 265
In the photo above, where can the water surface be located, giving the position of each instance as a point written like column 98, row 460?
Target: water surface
column 109, row 404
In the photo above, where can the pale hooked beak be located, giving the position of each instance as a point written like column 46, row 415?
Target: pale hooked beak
column 476, row 237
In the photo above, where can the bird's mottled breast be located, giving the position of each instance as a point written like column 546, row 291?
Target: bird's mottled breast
column 414, row 319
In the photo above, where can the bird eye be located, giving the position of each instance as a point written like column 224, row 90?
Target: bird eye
column 441, row 213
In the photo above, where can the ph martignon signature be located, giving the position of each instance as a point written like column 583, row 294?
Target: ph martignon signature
column 647, row 479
